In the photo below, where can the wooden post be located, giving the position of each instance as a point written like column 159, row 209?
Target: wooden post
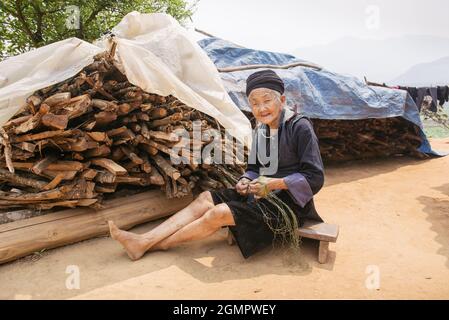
column 323, row 251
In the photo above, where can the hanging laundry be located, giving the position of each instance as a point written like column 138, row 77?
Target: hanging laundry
column 413, row 91
column 443, row 94
column 423, row 92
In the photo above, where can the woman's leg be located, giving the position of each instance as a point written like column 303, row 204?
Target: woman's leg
column 201, row 228
column 140, row 243
column 212, row 221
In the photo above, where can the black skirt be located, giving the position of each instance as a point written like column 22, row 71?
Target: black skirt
column 254, row 219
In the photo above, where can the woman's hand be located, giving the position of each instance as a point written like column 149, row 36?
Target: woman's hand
column 262, row 186
column 242, row 186
column 259, row 188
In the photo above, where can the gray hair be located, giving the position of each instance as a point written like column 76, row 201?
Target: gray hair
column 275, row 94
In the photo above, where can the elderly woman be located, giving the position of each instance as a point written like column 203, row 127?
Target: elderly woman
column 297, row 176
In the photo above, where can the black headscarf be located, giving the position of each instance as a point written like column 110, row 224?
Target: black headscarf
column 264, row 79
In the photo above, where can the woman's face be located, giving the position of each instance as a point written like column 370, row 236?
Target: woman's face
column 266, row 106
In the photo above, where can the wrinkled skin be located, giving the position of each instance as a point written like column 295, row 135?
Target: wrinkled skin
column 266, row 106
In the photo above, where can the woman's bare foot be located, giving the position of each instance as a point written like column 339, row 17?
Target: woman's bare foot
column 133, row 243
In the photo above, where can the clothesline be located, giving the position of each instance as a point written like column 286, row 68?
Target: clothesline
column 439, row 94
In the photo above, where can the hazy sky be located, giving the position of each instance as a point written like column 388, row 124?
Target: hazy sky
column 285, row 25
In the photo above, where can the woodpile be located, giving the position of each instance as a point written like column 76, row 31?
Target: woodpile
column 342, row 140
column 94, row 133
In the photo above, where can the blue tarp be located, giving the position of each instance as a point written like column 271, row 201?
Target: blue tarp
column 319, row 94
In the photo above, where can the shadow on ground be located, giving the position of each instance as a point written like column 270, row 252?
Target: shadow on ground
column 337, row 173
column 437, row 210
column 209, row 261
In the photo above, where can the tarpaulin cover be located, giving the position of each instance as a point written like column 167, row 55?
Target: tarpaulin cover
column 153, row 50
column 320, row 94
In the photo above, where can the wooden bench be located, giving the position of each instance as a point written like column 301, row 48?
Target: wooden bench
column 320, row 231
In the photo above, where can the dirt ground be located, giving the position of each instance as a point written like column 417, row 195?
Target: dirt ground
column 393, row 244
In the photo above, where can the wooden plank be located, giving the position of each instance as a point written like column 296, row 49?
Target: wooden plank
column 20, row 238
column 319, row 231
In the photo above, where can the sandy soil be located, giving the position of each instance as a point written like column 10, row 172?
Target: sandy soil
column 393, row 216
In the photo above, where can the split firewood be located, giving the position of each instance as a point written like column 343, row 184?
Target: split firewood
column 105, row 105
column 74, row 107
column 129, row 180
column 34, row 101
column 145, row 107
column 135, row 127
column 76, row 156
column 102, row 151
column 105, row 177
column 42, row 135
column 186, row 172
column 117, row 132
column 145, row 166
column 66, row 175
column 17, row 179
column 55, row 182
column 105, row 117
column 17, row 121
column 43, row 164
column 53, row 121
column 4, row 140
column 162, row 148
column 142, row 116
column 32, row 197
column 32, row 122
column 79, row 144
column 57, row 98
column 100, row 137
column 26, row 146
column 89, row 174
column 64, row 165
column 164, row 136
column 89, row 125
column 152, row 151
column 124, row 108
column 117, row 154
column 165, row 166
column 167, row 120
column 109, row 165
column 156, row 178
column 130, row 166
column 105, row 187
column 65, row 203
column 131, row 155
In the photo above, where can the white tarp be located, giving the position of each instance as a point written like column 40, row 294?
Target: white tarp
column 155, row 53
column 21, row 75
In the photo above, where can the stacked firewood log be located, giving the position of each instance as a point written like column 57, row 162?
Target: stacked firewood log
column 342, row 140
column 95, row 133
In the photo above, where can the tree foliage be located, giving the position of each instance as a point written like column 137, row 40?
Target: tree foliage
column 27, row 24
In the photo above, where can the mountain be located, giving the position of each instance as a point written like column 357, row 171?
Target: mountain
column 426, row 74
column 378, row 60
